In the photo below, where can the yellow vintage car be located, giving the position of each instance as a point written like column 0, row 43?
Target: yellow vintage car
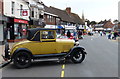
column 42, row 43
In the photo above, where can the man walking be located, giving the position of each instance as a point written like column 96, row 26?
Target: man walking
column 68, row 34
column 115, row 35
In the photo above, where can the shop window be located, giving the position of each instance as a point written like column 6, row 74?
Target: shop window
column 50, row 18
column 32, row 12
column 20, row 31
column 40, row 16
column 36, row 15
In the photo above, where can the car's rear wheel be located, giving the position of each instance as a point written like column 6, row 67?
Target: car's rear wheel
column 22, row 60
column 77, row 56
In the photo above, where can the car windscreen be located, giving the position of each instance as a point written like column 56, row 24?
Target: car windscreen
column 33, row 35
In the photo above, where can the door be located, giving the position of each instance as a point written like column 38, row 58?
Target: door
column 48, row 42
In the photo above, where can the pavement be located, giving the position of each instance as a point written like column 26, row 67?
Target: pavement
column 2, row 47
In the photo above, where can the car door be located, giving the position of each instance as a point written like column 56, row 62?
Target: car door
column 48, row 42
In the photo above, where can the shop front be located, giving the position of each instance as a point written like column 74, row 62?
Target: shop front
column 17, row 29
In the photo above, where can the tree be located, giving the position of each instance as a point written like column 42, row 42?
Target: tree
column 88, row 22
column 93, row 22
column 115, row 21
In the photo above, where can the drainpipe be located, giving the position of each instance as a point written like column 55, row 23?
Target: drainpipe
column 28, row 4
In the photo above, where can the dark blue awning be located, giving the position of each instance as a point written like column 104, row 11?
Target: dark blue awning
column 59, row 27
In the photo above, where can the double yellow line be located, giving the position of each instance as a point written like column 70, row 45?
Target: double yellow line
column 63, row 72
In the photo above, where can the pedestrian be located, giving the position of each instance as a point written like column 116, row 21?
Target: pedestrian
column 115, row 35
column 109, row 35
column 68, row 34
column 74, row 34
column 79, row 34
column 104, row 33
column 101, row 33
column 20, row 31
column 5, row 34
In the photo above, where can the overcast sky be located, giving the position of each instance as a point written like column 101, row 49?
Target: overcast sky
column 94, row 10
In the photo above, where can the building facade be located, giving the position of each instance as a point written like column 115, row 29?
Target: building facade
column 65, row 18
column 52, row 20
column 36, row 13
column 17, row 13
column 21, row 15
column 104, row 26
column 3, row 21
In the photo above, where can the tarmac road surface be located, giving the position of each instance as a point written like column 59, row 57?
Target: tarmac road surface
column 101, row 61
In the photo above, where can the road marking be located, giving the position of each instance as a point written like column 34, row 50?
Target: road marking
column 62, row 73
column 63, row 66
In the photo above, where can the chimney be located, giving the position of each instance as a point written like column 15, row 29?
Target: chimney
column 68, row 10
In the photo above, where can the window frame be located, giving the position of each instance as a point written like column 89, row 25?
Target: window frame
column 47, row 40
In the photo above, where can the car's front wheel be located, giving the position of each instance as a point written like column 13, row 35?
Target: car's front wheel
column 22, row 60
column 77, row 56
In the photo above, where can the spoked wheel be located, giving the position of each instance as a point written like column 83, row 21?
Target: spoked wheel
column 22, row 60
column 77, row 56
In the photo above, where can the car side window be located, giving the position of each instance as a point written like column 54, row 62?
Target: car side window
column 47, row 35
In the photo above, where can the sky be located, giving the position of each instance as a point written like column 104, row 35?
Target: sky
column 94, row 10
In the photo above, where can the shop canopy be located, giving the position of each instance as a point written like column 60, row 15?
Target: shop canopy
column 59, row 27
column 54, row 26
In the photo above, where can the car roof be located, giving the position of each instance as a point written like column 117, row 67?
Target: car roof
column 35, row 32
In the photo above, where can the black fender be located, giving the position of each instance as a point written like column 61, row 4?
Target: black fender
column 71, row 51
column 21, row 49
column 78, row 47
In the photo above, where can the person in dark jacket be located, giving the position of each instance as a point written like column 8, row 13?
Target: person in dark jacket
column 80, row 34
column 109, row 35
column 115, row 35
column 68, row 34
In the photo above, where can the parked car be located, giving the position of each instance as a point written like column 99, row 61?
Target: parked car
column 65, row 37
column 42, row 43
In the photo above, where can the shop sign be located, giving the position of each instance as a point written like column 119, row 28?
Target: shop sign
column 21, row 21
column 24, row 13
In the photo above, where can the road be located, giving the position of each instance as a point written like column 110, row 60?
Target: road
column 101, row 61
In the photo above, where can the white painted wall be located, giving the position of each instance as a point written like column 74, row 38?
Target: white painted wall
column 36, row 6
column 8, row 5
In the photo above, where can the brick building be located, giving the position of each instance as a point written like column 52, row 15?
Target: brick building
column 50, row 18
column 108, row 24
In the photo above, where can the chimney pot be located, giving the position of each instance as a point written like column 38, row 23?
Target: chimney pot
column 68, row 10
